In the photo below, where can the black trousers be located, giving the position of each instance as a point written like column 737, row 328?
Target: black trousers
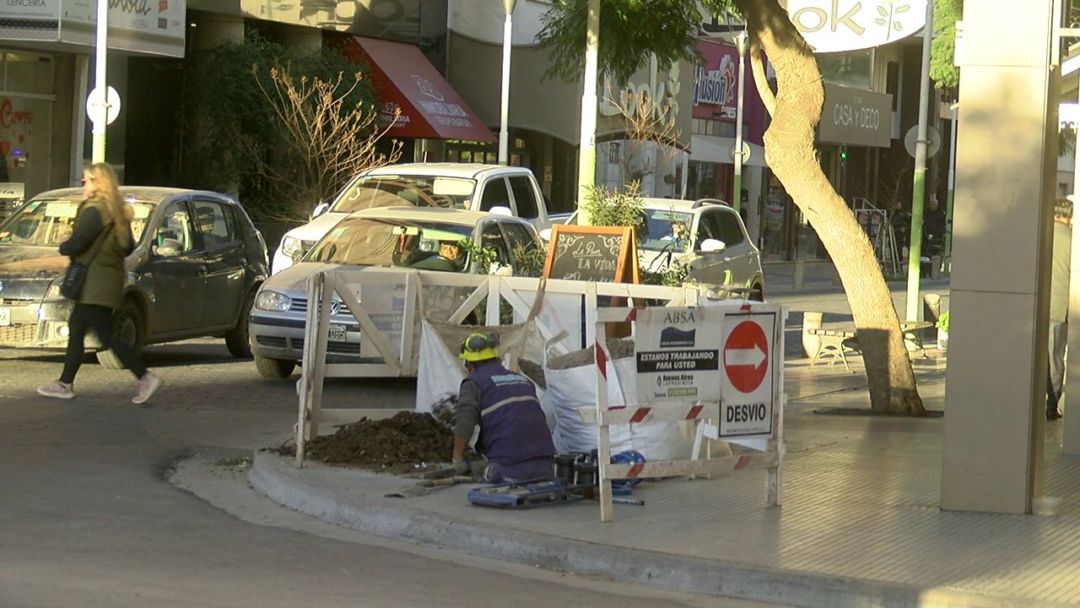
column 98, row 319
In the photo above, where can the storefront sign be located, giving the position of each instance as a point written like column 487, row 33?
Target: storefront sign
column 855, row 117
column 830, row 26
column 153, row 27
column 677, row 353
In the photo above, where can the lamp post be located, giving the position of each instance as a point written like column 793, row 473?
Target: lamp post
column 587, row 145
column 918, row 188
column 102, row 119
column 740, row 46
column 504, row 135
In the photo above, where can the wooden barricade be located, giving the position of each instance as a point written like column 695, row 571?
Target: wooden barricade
column 398, row 355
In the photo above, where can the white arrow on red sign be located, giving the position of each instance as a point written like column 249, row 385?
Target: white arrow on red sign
column 746, row 356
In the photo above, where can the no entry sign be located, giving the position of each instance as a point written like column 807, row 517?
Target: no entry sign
column 751, row 366
column 746, row 356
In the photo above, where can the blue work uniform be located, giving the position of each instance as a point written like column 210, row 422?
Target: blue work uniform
column 514, row 435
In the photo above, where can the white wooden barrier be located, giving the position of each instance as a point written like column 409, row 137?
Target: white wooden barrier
column 702, row 412
column 396, row 354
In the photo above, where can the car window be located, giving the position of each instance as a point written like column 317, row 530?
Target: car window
column 176, row 233
column 707, row 229
column 492, row 238
column 386, row 242
column 730, row 231
column 666, row 230
column 368, row 191
column 524, row 196
column 495, row 195
column 214, row 224
column 49, row 222
column 518, row 236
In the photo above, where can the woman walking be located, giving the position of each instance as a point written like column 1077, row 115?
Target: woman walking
column 100, row 240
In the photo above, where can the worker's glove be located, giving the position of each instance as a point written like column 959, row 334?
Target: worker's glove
column 460, row 467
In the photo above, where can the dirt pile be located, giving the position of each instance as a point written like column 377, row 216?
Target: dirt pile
column 407, row 442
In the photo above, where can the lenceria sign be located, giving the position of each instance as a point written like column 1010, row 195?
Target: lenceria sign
column 830, row 26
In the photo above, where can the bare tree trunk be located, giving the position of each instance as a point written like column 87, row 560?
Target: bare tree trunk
column 789, row 150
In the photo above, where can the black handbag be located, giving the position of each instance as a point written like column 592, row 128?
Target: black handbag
column 71, row 285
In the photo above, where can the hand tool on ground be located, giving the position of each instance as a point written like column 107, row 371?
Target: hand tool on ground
column 426, row 486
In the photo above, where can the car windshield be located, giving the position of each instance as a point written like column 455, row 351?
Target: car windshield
column 666, row 230
column 370, row 191
column 396, row 242
column 49, row 222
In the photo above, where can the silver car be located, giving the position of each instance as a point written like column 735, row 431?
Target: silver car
column 426, row 239
column 708, row 237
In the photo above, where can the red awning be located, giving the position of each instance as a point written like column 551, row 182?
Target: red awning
column 405, row 79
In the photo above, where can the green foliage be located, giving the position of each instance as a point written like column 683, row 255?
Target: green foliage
column 528, row 261
column 631, row 30
column 236, row 133
column 675, row 274
column 943, row 321
column 942, row 71
column 610, row 208
column 480, row 256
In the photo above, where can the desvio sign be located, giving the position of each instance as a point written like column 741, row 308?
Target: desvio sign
column 831, row 26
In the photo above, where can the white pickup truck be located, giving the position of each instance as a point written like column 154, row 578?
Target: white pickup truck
column 475, row 187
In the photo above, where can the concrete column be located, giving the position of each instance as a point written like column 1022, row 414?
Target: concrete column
column 996, row 381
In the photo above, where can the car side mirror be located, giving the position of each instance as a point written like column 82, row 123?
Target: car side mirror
column 546, row 234
column 502, row 210
column 712, row 246
column 319, row 209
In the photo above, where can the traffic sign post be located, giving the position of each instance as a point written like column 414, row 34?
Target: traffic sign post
column 718, row 366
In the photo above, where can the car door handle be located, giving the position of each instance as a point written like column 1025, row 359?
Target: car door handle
column 201, row 268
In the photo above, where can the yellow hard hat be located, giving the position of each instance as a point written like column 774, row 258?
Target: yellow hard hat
column 479, row 347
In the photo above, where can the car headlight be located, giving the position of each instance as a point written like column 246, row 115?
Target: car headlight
column 54, row 291
column 291, row 246
column 272, row 300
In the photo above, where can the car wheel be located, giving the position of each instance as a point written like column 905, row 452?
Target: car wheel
column 237, row 339
column 130, row 328
column 757, row 294
column 274, row 369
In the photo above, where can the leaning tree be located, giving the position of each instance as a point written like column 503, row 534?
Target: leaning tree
column 631, row 31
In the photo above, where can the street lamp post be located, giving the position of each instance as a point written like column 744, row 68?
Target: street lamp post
column 740, row 46
column 504, row 135
column 100, row 83
column 587, row 145
column 918, row 189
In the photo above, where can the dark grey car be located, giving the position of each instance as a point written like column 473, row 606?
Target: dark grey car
column 197, row 264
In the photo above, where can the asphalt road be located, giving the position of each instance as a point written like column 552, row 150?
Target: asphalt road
column 88, row 518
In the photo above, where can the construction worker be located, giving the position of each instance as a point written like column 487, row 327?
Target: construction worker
column 514, row 435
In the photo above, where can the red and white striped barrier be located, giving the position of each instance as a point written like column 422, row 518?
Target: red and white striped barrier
column 708, row 414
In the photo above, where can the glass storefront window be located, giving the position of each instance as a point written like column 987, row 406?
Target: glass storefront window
column 26, row 108
column 852, row 69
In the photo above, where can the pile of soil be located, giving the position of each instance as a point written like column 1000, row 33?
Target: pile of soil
column 407, row 442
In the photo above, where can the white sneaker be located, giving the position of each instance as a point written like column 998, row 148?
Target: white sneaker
column 56, row 390
column 145, row 388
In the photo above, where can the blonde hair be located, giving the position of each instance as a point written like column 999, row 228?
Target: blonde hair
column 106, row 190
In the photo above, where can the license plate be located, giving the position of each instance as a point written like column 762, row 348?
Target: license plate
column 5, row 316
column 338, row 332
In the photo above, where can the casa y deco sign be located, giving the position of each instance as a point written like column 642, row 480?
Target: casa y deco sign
column 831, row 26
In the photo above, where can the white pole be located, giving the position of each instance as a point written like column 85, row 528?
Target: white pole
column 587, row 146
column 740, row 45
column 504, row 134
column 100, row 84
column 918, row 188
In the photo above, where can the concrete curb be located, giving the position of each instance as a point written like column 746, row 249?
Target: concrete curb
column 283, row 483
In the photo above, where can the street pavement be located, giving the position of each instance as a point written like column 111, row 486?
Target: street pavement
column 860, row 523
column 88, row 516
column 88, row 519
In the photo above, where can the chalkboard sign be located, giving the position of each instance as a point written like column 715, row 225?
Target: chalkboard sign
column 603, row 254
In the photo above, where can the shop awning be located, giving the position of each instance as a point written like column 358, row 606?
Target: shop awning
column 404, row 79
